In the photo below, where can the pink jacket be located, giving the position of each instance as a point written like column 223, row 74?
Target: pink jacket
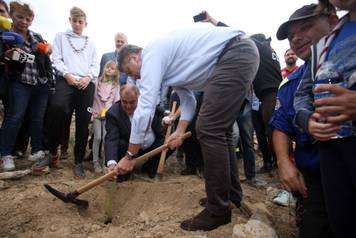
column 106, row 94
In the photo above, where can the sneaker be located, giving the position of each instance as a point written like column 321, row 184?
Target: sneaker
column 97, row 167
column 8, row 163
column 254, row 182
column 282, row 198
column 79, row 171
column 64, row 155
column 36, row 156
column 19, row 155
column 42, row 166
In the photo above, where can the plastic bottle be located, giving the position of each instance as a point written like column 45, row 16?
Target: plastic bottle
column 328, row 74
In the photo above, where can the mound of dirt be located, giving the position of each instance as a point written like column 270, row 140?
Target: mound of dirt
column 140, row 208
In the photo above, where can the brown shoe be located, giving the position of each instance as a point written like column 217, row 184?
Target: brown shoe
column 55, row 163
column 42, row 166
column 206, row 221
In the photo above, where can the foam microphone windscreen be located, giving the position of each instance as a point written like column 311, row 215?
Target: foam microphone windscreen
column 42, row 47
column 5, row 23
column 11, row 38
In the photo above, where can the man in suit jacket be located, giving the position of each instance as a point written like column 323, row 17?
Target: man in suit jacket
column 118, row 127
column 120, row 40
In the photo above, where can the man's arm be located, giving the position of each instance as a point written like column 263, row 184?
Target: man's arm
column 303, row 100
column 210, row 19
column 290, row 177
column 112, row 140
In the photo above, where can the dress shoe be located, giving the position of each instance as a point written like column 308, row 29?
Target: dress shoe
column 206, row 221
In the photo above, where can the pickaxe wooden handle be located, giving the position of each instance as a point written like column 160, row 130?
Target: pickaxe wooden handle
column 113, row 173
column 162, row 159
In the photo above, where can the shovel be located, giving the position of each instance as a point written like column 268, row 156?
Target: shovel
column 71, row 197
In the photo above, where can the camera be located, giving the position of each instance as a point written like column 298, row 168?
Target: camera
column 22, row 57
column 199, row 17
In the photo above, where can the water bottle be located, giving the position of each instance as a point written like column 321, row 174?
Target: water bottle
column 328, row 74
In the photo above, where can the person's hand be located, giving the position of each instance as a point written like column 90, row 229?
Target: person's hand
column 291, row 178
column 124, row 166
column 209, row 19
column 320, row 129
column 83, row 83
column 175, row 140
column 71, row 80
column 167, row 121
column 341, row 107
column 109, row 169
column 8, row 54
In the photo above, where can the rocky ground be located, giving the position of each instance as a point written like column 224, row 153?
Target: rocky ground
column 140, row 209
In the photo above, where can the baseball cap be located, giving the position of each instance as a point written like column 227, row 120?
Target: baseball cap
column 305, row 12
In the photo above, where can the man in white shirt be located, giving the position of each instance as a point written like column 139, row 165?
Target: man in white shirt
column 222, row 62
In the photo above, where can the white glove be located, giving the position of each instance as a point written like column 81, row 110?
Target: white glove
column 167, row 120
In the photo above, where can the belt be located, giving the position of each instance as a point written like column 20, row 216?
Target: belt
column 230, row 42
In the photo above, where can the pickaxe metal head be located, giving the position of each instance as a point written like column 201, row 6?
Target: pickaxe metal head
column 69, row 197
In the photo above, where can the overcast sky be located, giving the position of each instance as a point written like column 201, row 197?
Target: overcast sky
column 145, row 20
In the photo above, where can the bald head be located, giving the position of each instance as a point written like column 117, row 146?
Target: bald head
column 128, row 98
column 120, row 40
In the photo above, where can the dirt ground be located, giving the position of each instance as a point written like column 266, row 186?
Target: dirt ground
column 141, row 209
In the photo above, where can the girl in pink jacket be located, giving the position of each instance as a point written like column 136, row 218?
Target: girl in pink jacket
column 106, row 94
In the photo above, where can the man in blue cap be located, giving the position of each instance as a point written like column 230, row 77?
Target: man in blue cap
column 304, row 28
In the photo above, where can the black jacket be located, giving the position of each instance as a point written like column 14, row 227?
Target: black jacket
column 269, row 75
column 118, row 128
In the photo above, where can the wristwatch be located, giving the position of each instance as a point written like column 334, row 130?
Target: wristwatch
column 130, row 156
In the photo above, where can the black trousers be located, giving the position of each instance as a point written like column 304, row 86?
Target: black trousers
column 268, row 103
column 338, row 170
column 66, row 100
column 312, row 217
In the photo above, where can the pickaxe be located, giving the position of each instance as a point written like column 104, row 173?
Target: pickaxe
column 71, row 197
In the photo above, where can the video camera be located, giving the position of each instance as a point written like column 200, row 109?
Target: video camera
column 22, row 57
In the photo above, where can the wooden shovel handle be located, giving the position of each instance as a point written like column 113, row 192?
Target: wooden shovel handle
column 107, row 176
column 162, row 159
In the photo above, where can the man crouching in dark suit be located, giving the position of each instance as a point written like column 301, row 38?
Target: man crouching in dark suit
column 118, row 127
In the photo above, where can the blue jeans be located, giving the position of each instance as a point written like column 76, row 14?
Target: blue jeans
column 244, row 121
column 20, row 97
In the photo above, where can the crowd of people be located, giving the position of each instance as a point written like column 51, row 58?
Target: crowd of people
column 225, row 83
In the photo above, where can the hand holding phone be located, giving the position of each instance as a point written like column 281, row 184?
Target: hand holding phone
column 199, row 17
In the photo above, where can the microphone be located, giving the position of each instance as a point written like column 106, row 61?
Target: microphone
column 5, row 23
column 11, row 38
column 42, row 47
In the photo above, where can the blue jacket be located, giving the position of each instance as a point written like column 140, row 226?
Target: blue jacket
column 306, row 152
column 341, row 51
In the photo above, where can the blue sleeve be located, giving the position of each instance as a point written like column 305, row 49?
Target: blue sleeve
column 281, row 121
column 303, row 100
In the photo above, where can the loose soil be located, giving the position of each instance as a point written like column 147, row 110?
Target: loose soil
column 141, row 209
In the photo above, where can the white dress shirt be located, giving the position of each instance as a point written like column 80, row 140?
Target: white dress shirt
column 185, row 60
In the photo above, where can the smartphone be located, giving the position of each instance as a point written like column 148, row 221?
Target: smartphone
column 199, row 17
